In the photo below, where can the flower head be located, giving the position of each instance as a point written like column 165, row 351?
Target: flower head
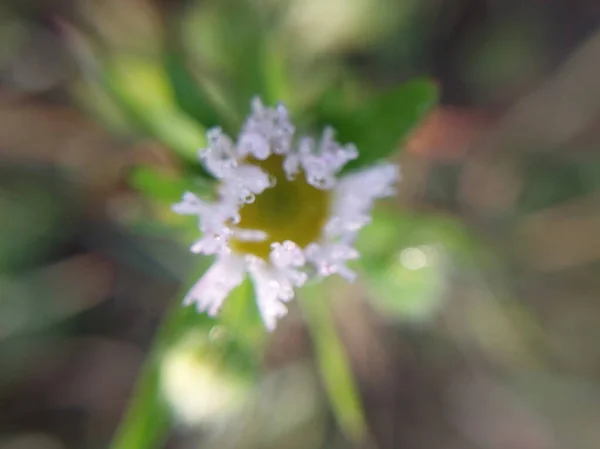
column 283, row 214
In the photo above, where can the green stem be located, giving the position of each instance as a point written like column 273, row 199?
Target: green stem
column 333, row 364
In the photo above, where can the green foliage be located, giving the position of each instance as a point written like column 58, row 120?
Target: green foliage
column 333, row 364
column 188, row 92
column 241, row 318
column 165, row 187
column 141, row 89
column 229, row 41
column 405, row 260
column 147, row 421
column 377, row 125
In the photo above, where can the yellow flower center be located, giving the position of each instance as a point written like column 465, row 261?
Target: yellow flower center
column 291, row 210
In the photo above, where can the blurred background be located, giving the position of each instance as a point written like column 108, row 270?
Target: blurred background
column 475, row 324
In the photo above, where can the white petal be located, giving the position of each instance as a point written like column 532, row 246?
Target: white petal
column 371, row 183
column 212, row 243
column 331, row 258
column 286, row 259
column 244, row 183
column 267, row 291
column 255, row 144
column 267, row 131
column 226, row 273
column 334, row 154
column 346, row 225
column 323, row 163
column 219, row 158
column 291, row 166
column 274, row 283
column 190, row 204
column 213, row 217
column 354, row 197
column 286, row 254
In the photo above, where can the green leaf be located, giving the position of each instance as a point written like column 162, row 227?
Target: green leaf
column 404, row 258
column 408, row 293
column 241, row 317
column 333, row 364
column 277, row 75
column 141, row 89
column 231, row 42
column 148, row 419
column 166, row 187
column 188, row 92
column 378, row 125
column 244, row 36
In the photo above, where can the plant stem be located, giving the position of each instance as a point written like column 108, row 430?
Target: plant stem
column 333, row 364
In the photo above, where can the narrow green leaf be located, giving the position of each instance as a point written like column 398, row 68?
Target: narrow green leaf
column 146, row 423
column 333, row 364
column 141, row 89
column 379, row 125
column 242, row 34
column 277, row 76
column 188, row 92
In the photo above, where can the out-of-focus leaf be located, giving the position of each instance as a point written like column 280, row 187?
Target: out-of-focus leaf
column 147, row 421
column 232, row 40
column 409, row 292
column 333, row 364
column 377, row 125
column 381, row 239
column 188, row 93
column 277, row 76
column 102, row 107
column 405, row 257
column 391, row 230
column 244, row 37
column 140, row 88
column 166, row 187
column 241, row 318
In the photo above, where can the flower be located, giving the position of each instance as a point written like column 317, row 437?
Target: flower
column 283, row 214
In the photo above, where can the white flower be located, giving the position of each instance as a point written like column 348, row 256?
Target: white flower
column 283, row 212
